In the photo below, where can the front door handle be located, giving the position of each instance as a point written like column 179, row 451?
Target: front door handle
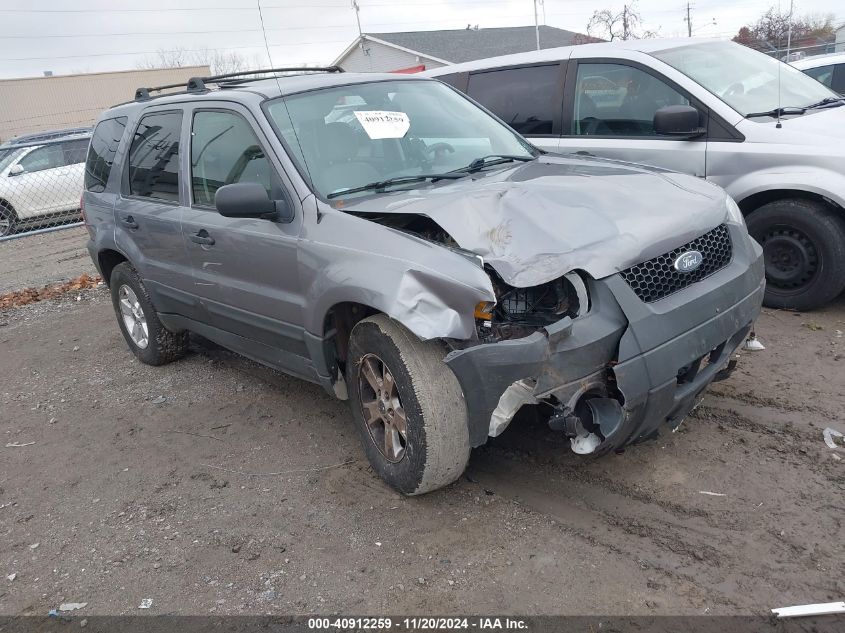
column 202, row 237
column 130, row 222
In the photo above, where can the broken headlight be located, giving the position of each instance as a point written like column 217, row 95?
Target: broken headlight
column 520, row 311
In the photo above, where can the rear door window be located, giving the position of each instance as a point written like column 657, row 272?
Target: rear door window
column 225, row 150
column 154, row 157
column 528, row 99
column 101, row 153
column 47, row 157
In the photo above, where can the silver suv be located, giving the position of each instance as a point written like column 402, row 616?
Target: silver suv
column 771, row 136
column 386, row 238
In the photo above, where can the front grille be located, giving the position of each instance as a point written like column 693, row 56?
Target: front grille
column 657, row 278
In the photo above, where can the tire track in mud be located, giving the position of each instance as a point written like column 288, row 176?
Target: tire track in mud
column 722, row 551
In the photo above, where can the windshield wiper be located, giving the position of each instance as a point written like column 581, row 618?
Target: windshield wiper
column 490, row 160
column 827, row 101
column 398, row 180
column 782, row 111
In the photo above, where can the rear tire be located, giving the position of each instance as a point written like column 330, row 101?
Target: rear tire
column 8, row 220
column 804, row 250
column 389, row 367
column 145, row 334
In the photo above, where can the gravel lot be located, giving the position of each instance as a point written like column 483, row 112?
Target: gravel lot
column 37, row 260
column 213, row 486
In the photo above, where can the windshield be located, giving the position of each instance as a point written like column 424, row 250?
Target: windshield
column 745, row 79
column 7, row 155
column 350, row 136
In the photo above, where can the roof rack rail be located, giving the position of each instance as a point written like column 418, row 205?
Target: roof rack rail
column 197, row 84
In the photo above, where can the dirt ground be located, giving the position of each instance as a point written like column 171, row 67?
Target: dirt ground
column 216, row 486
column 36, row 260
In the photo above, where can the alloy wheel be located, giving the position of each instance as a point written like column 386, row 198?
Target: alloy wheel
column 133, row 316
column 382, row 408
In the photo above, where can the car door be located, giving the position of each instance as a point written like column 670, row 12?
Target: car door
column 245, row 269
column 148, row 213
column 609, row 107
column 38, row 188
column 528, row 98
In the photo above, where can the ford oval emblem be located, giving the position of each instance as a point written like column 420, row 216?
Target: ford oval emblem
column 688, row 262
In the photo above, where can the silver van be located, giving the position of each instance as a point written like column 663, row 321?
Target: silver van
column 770, row 135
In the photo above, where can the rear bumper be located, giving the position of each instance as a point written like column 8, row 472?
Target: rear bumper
column 623, row 347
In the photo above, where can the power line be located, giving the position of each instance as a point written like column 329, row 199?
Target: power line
column 173, row 50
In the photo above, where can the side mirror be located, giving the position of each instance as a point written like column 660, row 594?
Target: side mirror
column 678, row 120
column 16, row 170
column 250, row 200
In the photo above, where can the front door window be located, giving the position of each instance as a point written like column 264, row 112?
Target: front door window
column 619, row 100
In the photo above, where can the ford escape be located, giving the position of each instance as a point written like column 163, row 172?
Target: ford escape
column 388, row 239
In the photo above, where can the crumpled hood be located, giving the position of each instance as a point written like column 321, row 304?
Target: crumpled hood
column 537, row 221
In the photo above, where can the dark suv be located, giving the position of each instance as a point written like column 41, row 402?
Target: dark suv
column 383, row 236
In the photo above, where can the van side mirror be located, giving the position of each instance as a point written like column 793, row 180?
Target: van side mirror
column 16, row 170
column 250, row 200
column 678, row 120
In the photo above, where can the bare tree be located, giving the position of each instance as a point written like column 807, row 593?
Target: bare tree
column 219, row 61
column 612, row 25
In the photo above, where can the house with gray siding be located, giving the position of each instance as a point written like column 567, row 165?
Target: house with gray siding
column 413, row 51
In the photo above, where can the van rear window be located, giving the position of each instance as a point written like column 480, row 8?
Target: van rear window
column 101, row 153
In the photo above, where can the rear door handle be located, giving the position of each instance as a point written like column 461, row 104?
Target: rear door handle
column 130, row 222
column 202, row 237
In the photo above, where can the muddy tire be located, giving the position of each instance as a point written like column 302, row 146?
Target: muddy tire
column 804, row 249
column 146, row 336
column 8, row 220
column 407, row 405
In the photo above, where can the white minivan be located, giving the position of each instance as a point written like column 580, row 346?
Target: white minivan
column 773, row 137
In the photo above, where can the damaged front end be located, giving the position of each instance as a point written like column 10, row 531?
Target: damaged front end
column 610, row 367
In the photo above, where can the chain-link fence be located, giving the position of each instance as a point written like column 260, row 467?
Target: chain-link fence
column 41, row 181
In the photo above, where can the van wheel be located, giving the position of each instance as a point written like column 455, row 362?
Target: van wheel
column 804, row 251
column 8, row 220
column 145, row 334
column 407, row 405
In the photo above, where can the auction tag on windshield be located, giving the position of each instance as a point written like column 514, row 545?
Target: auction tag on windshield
column 380, row 124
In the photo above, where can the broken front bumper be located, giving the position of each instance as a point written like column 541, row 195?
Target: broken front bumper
column 655, row 359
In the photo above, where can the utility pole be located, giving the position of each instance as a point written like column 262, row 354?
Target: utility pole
column 536, row 26
column 357, row 16
column 789, row 32
column 625, row 22
column 688, row 20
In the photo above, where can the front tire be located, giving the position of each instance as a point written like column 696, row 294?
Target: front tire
column 407, row 405
column 804, row 251
column 145, row 334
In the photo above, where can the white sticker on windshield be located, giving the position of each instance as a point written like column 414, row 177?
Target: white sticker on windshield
column 380, row 124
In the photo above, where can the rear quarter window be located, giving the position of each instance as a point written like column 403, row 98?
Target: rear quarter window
column 101, row 153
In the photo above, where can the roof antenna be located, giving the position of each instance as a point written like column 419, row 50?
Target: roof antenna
column 267, row 45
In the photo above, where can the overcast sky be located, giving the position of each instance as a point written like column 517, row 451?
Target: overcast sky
column 73, row 36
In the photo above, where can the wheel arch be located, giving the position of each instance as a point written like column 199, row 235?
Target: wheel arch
column 754, row 201
column 107, row 260
column 8, row 205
